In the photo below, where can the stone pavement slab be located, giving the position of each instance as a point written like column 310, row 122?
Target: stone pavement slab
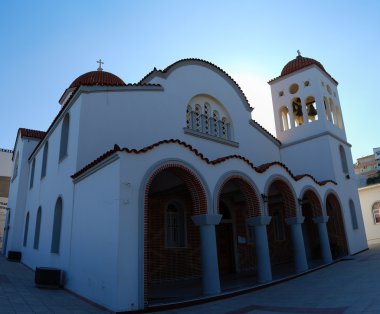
column 19, row 295
column 350, row 286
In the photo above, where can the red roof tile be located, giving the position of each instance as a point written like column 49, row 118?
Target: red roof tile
column 299, row 63
column 28, row 133
column 101, row 78
column 31, row 133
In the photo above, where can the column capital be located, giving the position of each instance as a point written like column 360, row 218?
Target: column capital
column 321, row 219
column 208, row 219
column 259, row 221
column 295, row 220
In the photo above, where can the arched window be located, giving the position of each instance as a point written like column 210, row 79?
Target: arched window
column 57, row 226
column 198, row 113
column 32, row 173
column 215, row 123
column 224, row 128
column 64, row 137
column 327, row 109
column 343, row 159
column 333, row 118
column 26, row 230
column 189, row 122
column 44, row 160
column 339, row 117
column 15, row 167
column 311, row 109
column 354, row 219
column 376, row 212
column 206, row 117
column 297, row 111
column 37, row 230
column 285, row 119
column 175, row 226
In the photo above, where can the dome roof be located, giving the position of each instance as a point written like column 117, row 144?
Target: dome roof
column 101, row 78
column 299, row 63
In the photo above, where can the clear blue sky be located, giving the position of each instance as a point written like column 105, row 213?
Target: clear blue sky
column 45, row 45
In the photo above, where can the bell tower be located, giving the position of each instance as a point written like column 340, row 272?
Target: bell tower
column 308, row 119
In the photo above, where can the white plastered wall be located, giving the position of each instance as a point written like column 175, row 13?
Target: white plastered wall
column 45, row 193
column 139, row 118
column 127, row 214
column 368, row 196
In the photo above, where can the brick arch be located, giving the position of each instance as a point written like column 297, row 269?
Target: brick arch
column 316, row 205
column 199, row 206
column 249, row 194
column 335, row 226
column 192, row 182
column 287, row 195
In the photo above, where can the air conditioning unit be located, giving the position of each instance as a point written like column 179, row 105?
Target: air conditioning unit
column 14, row 256
column 47, row 277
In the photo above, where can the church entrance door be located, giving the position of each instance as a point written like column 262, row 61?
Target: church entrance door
column 226, row 260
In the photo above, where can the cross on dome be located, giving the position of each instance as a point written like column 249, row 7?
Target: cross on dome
column 100, row 64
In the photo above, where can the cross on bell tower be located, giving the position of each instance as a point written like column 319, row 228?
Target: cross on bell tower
column 100, row 64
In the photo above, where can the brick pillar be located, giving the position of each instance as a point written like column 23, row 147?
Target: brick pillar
column 323, row 238
column 298, row 243
column 209, row 253
column 264, row 271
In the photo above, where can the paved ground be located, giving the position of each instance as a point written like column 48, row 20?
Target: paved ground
column 349, row 286
column 19, row 295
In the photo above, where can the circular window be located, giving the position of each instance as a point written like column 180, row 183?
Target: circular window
column 293, row 88
column 329, row 89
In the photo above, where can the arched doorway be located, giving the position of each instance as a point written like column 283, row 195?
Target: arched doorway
column 237, row 201
column 335, row 227
column 281, row 205
column 172, row 255
column 311, row 208
column 225, row 241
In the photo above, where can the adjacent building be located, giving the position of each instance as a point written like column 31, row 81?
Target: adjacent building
column 368, row 171
column 5, row 176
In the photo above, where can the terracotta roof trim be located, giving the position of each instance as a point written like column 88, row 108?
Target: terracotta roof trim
column 259, row 169
column 36, row 134
column 166, row 72
column 31, row 133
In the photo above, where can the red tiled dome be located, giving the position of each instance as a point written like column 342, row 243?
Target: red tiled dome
column 101, row 78
column 300, row 63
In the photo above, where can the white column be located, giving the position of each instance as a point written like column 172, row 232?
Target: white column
column 264, row 271
column 209, row 253
column 324, row 238
column 304, row 112
column 291, row 117
column 298, row 243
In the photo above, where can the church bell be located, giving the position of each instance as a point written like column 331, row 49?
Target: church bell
column 312, row 112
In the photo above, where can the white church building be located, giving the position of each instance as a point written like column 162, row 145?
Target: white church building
column 169, row 180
